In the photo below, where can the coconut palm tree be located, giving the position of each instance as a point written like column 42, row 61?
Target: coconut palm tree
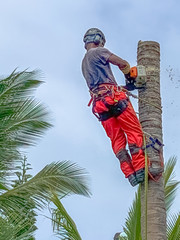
column 150, row 116
column 22, row 121
column 132, row 227
column 18, row 205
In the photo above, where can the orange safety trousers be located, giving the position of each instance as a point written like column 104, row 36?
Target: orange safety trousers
column 122, row 130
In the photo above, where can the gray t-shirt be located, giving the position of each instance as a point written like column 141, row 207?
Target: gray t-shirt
column 96, row 68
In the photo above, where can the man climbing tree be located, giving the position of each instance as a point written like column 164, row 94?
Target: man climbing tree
column 112, row 106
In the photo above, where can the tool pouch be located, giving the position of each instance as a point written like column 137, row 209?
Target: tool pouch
column 113, row 110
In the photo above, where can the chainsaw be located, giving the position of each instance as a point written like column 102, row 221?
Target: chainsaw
column 136, row 79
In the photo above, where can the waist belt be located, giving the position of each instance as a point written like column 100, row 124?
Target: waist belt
column 103, row 90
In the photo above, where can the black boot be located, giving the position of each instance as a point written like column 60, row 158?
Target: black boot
column 132, row 179
column 140, row 175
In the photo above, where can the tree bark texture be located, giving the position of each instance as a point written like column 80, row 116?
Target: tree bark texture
column 150, row 116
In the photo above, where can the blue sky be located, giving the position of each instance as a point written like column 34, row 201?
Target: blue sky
column 47, row 35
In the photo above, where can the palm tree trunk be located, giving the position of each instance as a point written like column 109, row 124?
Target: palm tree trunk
column 150, row 116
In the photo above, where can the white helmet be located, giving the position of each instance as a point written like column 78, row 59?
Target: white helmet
column 94, row 35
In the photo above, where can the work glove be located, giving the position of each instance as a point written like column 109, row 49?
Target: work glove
column 130, row 82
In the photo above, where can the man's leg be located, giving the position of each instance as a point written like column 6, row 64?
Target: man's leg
column 131, row 126
column 118, row 141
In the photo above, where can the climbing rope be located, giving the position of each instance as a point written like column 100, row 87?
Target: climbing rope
column 145, row 185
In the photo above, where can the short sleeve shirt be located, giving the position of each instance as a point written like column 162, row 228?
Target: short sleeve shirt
column 96, row 68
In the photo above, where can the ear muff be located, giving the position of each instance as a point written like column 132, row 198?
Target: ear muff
column 97, row 39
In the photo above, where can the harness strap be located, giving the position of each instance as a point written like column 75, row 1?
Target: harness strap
column 103, row 90
column 90, row 101
column 99, row 93
column 153, row 173
column 156, row 145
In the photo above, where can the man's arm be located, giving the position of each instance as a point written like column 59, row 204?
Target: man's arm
column 125, row 68
column 122, row 64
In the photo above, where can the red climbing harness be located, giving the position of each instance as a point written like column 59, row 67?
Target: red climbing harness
column 122, row 128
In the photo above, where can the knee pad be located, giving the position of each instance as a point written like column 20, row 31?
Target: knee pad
column 134, row 149
column 123, row 156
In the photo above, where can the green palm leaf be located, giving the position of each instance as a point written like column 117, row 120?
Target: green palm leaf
column 63, row 225
column 3, row 187
column 19, row 223
column 170, row 185
column 22, row 119
column 15, row 89
column 133, row 222
column 8, row 161
column 173, row 227
column 12, row 228
column 19, row 85
column 25, row 125
column 18, row 111
column 62, row 178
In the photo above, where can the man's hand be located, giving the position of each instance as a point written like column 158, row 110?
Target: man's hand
column 130, row 82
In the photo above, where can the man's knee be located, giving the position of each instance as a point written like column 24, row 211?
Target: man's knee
column 123, row 155
column 134, row 149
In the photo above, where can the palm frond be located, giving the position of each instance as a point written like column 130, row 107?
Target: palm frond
column 18, row 211
column 173, row 227
column 170, row 185
column 12, row 228
column 7, row 157
column 8, row 162
column 63, row 225
column 18, row 85
column 133, row 222
column 25, row 125
column 22, row 119
column 169, row 170
column 3, row 187
column 62, row 178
